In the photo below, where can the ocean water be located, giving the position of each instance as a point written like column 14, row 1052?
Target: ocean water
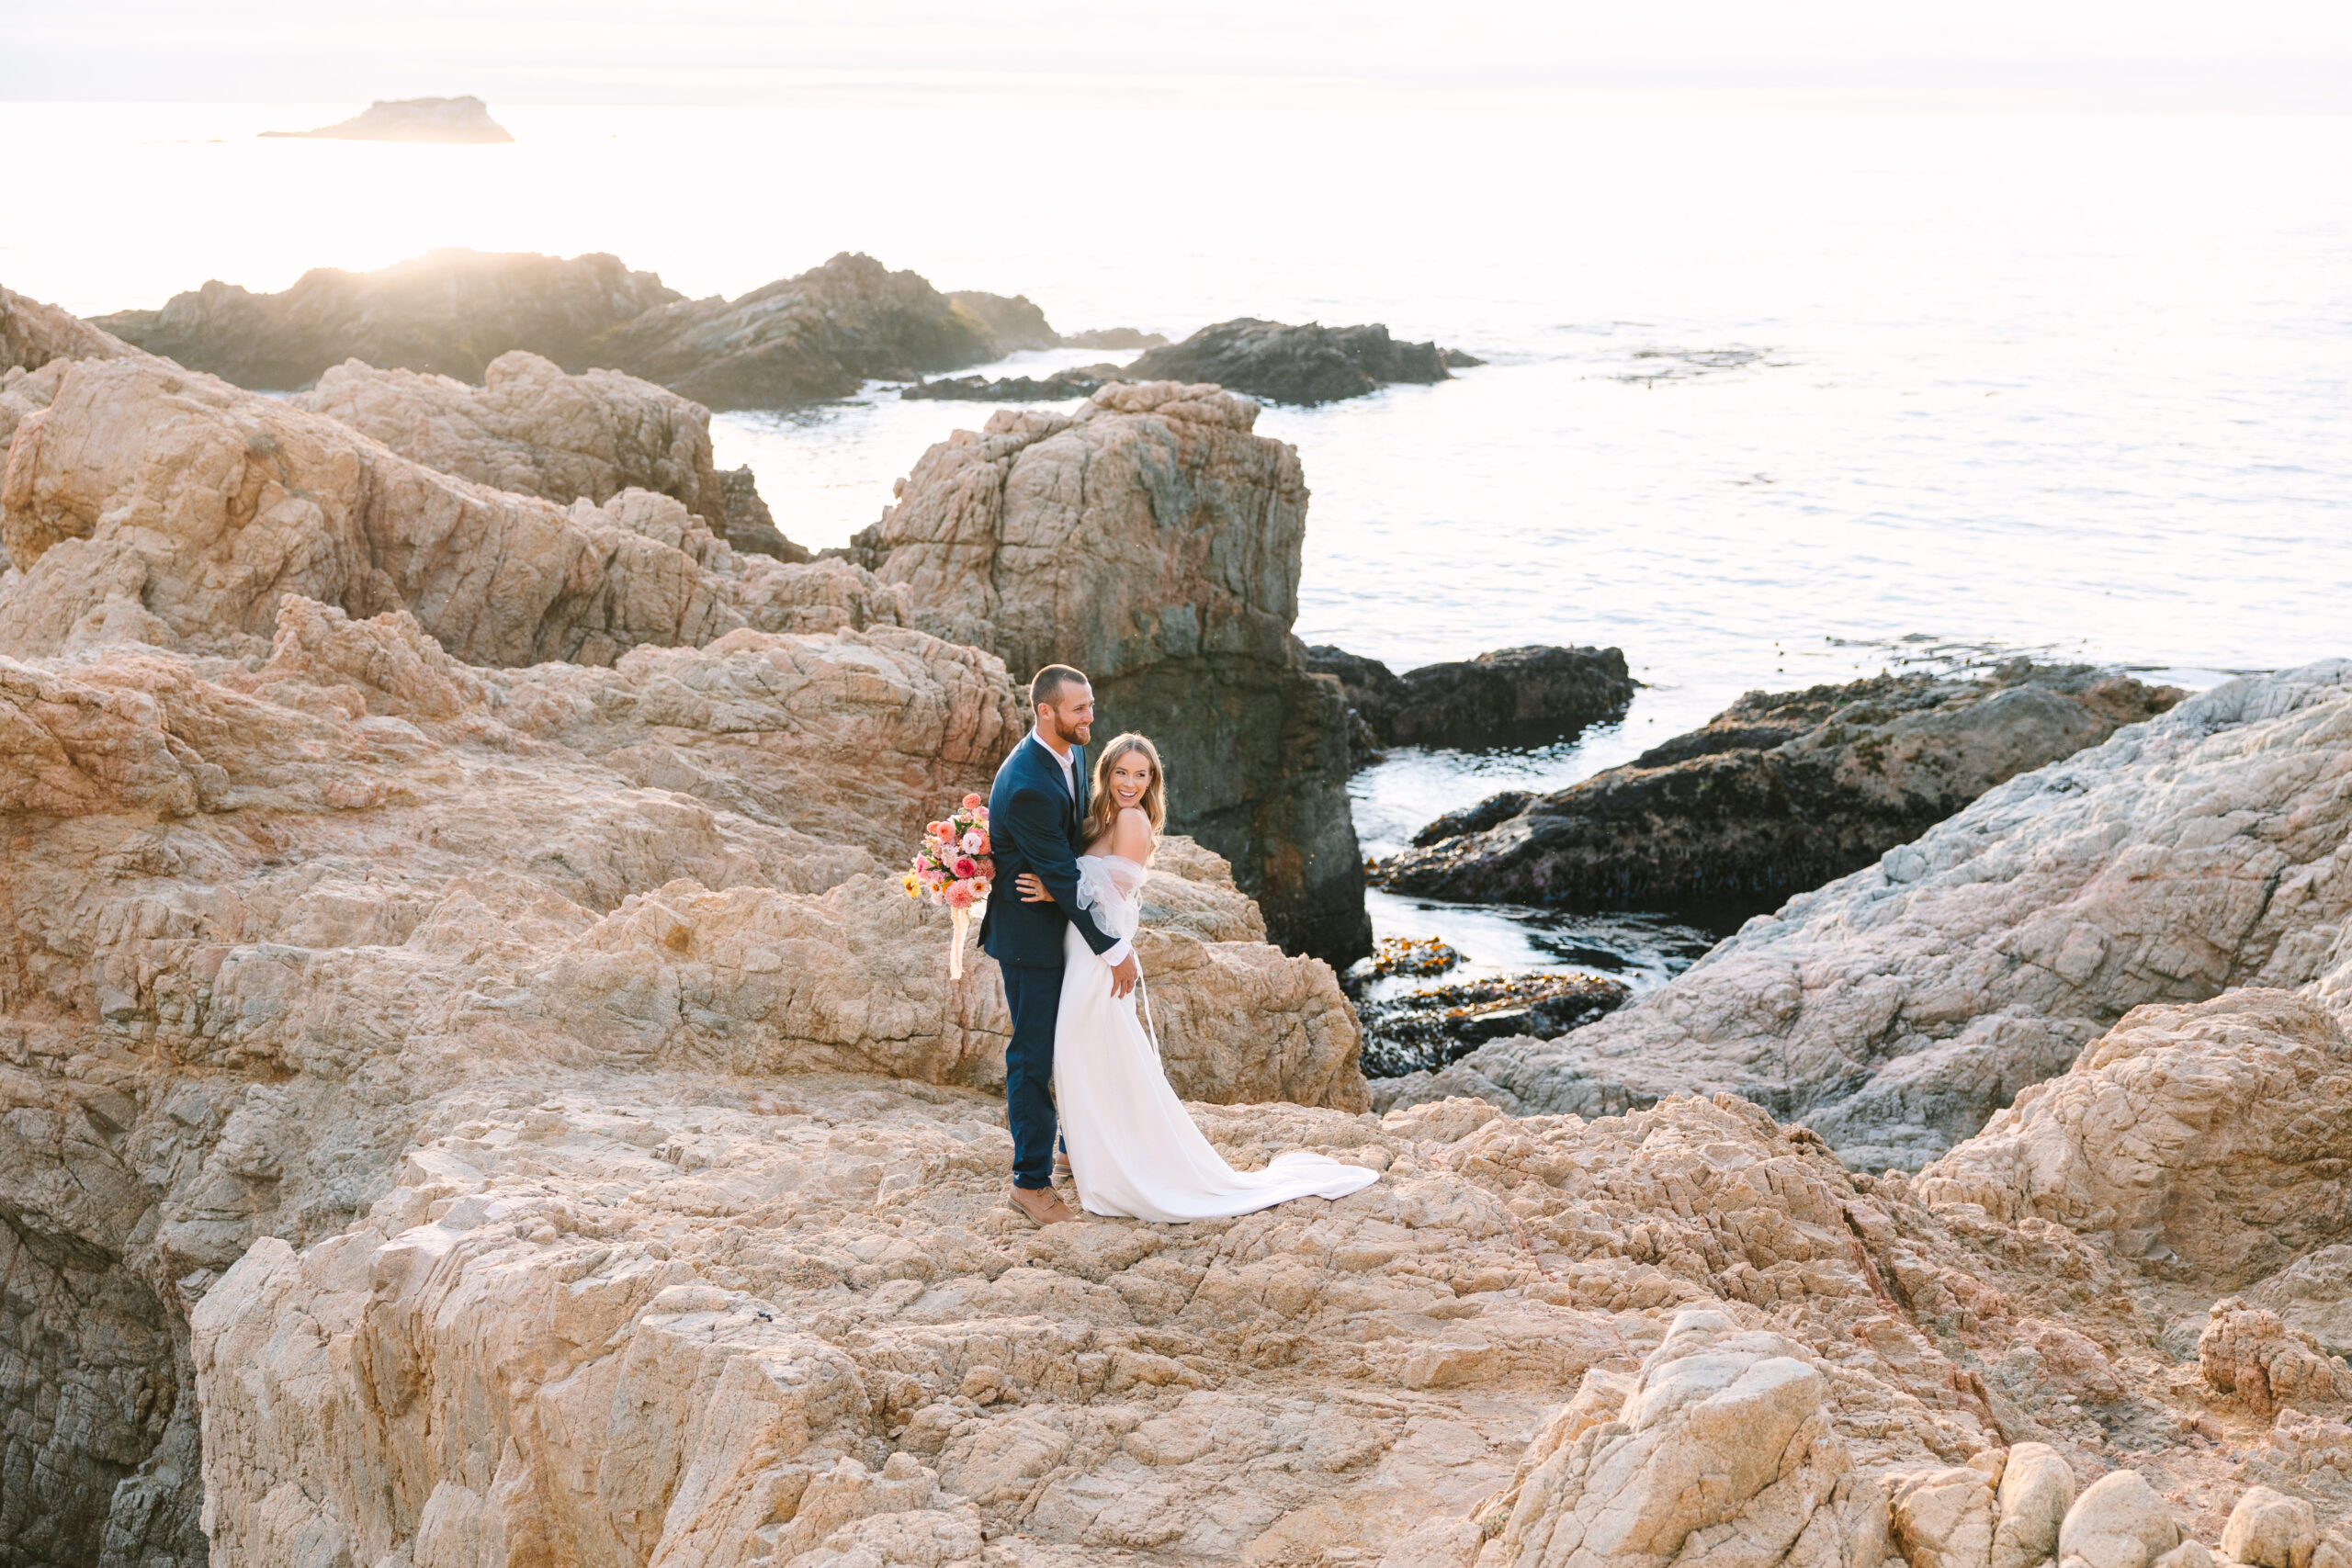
column 1776, row 393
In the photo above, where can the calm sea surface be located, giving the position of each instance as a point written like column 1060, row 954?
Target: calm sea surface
column 1771, row 391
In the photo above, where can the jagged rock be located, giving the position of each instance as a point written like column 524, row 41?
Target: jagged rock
column 532, row 429
column 33, row 334
column 201, row 506
column 1313, row 364
column 2250, row 1354
column 2268, row 1529
column 1516, row 696
column 1083, row 381
column 413, row 119
column 750, row 526
column 449, row 312
column 2118, row 1522
column 1725, row 1438
column 1778, row 793
column 820, row 334
column 2313, row 1296
column 38, row 345
column 1896, row 1008
column 1009, row 323
column 2167, row 1132
column 1153, row 541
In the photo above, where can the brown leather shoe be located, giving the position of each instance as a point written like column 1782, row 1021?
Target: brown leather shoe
column 1042, row 1205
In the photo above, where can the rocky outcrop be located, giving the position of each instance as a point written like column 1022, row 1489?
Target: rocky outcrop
column 750, row 526
column 449, row 312
column 802, row 1317
column 413, row 119
column 1153, row 541
column 1081, row 382
column 1896, row 1008
column 1515, row 697
column 199, row 507
column 1012, row 323
column 1778, row 793
column 1724, row 1436
column 1313, row 364
column 532, row 429
column 38, row 343
column 252, row 905
column 33, row 334
column 821, row 334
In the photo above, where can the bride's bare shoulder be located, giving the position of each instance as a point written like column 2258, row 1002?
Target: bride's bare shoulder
column 1131, row 836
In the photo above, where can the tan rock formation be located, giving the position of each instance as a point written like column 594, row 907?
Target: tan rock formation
column 532, row 429
column 33, row 334
column 2149, row 1137
column 1897, row 1009
column 1153, row 541
column 204, row 506
column 2118, row 1522
column 253, row 904
column 1726, row 1437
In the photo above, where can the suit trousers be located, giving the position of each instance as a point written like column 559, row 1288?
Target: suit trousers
column 1034, row 995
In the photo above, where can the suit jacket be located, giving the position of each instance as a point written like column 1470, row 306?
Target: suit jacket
column 1034, row 826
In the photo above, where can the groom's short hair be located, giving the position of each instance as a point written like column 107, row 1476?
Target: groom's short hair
column 1050, row 682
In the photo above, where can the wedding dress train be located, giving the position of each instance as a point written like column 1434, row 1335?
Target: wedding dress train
column 1134, row 1151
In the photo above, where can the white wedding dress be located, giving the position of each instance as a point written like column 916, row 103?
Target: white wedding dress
column 1134, row 1153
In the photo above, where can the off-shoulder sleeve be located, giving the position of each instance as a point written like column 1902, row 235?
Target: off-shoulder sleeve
column 1117, row 910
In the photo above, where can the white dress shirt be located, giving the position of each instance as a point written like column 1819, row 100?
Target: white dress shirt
column 1118, row 952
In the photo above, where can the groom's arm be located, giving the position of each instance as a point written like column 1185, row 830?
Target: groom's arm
column 1037, row 828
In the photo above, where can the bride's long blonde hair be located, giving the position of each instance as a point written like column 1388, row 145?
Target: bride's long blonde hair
column 1101, row 811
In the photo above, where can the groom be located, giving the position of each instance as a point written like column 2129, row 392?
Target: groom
column 1035, row 812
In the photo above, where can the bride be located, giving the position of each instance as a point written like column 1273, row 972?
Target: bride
column 1134, row 1152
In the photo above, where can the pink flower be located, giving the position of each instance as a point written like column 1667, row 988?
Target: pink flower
column 971, row 802
column 959, row 896
column 967, row 866
column 975, row 842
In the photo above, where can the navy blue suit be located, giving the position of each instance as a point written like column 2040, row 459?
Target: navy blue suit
column 1035, row 826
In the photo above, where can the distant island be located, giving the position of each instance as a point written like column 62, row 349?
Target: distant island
column 414, row 119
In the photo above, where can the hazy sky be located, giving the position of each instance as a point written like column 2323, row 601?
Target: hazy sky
column 2241, row 54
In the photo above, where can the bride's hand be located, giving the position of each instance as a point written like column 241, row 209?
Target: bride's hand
column 1032, row 890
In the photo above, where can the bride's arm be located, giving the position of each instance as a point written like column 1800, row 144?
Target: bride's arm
column 1131, row 836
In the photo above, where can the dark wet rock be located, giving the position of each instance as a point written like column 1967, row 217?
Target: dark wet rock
column 749, row 525
column 1011, row 322
column 1312, row 363
column 1454, row 359
column 1081, row 382
column 1491, row 812
column 1423, row 1030
column 449, row 312
column 1778, row 793
column 411, row 119
column 1418, row 955
column 1113, row 337
column 1514, row 696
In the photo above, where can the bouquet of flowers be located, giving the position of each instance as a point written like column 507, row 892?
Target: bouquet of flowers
column 954, row 865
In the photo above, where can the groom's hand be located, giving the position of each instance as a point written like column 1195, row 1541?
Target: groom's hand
column 1125, row 974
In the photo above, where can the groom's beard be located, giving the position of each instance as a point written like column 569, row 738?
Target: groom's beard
column 1067, row 734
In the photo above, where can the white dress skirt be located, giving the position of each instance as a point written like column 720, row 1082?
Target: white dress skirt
column 1134, row 1152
